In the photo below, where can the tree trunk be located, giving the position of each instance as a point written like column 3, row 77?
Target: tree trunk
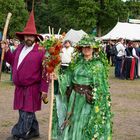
column 99, row 30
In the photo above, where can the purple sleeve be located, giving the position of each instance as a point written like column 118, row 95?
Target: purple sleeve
column 45, row 80
column 9, row 57
column 45, row 85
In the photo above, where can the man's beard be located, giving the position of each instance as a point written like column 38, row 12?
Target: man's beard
column 29, row 42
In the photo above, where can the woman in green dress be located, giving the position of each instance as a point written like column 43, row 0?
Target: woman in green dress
column 85, row 96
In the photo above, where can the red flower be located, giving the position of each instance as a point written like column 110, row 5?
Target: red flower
column 50, row 69
column 51, row 50
column 57, row 59
column 56, row 52
column 51, row 63
column 58, row 47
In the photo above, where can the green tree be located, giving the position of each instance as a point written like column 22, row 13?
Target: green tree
column 134, row 9
column 110, row 11
column 77, row 14
column 41, row 17
column 60, row 14
column 82, row 14
column 19, row 15
column 87, row 14
column 41, row 14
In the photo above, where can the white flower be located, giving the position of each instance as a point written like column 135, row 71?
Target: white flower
column 95, row 89
column 109, row 103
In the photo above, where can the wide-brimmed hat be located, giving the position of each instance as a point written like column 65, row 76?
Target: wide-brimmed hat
column 88, row 41
column 30, row 29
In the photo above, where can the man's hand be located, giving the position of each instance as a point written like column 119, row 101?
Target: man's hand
column 5, row 45
column 44, row 95
column 53, row 76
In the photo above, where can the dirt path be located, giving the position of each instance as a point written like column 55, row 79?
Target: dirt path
column 125, row 105
column 126, row 108
column 8, row 117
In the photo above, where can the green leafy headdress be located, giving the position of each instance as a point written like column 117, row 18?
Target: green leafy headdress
column 92, row 42
column 89, row 41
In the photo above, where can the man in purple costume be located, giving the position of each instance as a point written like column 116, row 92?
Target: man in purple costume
column 30, row 86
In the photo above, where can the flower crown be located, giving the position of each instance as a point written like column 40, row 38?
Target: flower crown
column 89, row 41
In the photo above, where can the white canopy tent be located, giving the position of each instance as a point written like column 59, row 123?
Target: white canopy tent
column 74, row 35
column 136, row 21
column 124, row 30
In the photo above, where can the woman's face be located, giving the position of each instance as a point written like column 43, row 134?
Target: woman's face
column 87, row 51
column 67, row 44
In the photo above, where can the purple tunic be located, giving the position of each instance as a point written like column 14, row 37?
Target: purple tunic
column 27, row 79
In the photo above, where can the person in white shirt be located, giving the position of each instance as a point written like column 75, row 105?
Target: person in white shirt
column 120, row 48
column 66, row 54
column 119, row 58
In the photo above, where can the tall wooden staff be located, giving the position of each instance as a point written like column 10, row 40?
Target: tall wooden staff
column 33, row 3
column 51, row 110
column 4, row 39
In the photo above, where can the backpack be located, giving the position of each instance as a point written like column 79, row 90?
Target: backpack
column 114, row 51
column 108, row 49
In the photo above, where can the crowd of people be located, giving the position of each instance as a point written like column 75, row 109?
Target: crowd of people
column 125, row 56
